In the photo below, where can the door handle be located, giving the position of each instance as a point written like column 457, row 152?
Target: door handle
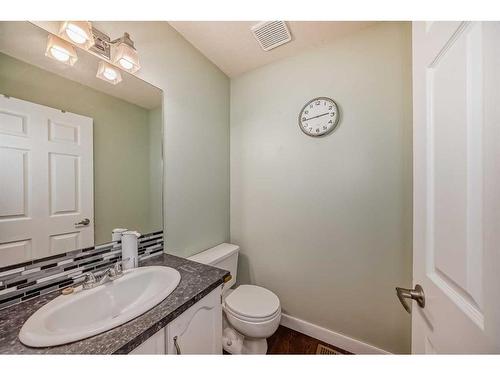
column 417, row 294
column 177, row 347
column 84, row 222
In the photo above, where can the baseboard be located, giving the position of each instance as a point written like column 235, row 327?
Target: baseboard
column 330, row 337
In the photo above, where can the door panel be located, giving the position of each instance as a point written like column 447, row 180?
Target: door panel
column 455, row 170
column 61, row 242
column 12, row 123
column 66, row 133
column 64, row 183
column 15, row 252
column 15, row 179
column 450, row 198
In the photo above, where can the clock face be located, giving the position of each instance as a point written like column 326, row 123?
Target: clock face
column 319, row 117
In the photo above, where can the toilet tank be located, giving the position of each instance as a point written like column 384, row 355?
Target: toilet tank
column 223, row 256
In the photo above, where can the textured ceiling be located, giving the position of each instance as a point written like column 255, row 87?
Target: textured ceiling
column 232, row 47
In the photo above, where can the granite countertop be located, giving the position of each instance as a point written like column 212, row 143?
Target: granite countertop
column 197, row 280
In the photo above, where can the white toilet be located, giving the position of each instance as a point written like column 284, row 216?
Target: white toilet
column 251, row 313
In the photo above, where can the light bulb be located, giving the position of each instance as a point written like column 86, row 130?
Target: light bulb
column 60, row 50
column 76, row 34
column 59, row 54
column 110, row 74
column 125, row 55
column 125, row 64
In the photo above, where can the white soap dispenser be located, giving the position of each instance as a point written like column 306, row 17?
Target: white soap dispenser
column 130, row 241
column 116, row 234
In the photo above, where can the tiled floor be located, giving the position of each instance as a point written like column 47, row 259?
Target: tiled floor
column 288, row 341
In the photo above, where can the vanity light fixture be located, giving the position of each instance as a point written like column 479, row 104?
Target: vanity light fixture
column 124, row 54
column 108, row 73
column 60, row 50
column 79, row 32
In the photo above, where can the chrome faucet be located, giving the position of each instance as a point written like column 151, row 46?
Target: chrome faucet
column 92, row 280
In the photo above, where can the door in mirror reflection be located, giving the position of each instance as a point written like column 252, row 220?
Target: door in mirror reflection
column 46, row 174
column 79, row 157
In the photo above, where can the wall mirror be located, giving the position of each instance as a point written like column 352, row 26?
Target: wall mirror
column 78, row 156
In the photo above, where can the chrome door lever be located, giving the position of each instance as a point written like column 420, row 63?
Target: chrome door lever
column 417, row 294
column 84, row 222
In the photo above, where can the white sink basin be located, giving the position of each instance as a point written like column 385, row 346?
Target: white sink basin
column 86, row 313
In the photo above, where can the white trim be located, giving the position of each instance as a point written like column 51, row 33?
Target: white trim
column 330, row 337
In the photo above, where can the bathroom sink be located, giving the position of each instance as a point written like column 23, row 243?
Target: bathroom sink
column 86, row 313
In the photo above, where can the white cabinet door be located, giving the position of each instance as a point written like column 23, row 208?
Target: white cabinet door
column 154, row 345
column 199, row 329
column 456, row 138
column 46, row 181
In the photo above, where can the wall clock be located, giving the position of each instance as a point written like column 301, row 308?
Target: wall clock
column 319, row 117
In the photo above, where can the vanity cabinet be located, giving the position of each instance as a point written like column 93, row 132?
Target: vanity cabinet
column 198, row 330
column 154, row 345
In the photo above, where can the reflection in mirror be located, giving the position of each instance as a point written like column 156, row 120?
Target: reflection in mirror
column 78, row 156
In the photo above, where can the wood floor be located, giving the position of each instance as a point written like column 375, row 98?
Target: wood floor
column 288, row 341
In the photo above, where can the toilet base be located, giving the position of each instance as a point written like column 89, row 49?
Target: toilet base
column 254, row 346
column 235, row 343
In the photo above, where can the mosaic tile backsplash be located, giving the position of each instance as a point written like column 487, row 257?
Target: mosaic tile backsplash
column 20, row 282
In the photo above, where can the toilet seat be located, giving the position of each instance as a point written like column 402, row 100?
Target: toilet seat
column 249, row 319
column 252, row 303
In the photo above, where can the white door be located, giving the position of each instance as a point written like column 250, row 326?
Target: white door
column 46, row 181
column 456, row 259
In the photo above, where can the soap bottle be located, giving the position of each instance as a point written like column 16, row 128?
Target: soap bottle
column 130, row 241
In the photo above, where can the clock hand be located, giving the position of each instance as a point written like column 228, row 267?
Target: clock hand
column 324, row 114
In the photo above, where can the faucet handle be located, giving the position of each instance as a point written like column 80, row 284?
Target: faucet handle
column 89, row 280
column 117, row 270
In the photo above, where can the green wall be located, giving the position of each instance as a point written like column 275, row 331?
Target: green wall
column 123, row 145
column 156, row 168
column 326, row 223
column 196, row 134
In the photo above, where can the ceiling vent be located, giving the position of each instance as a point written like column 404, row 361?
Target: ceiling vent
column 271, row 34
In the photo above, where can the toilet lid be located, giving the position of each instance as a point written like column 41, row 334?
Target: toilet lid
column 252, row 301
